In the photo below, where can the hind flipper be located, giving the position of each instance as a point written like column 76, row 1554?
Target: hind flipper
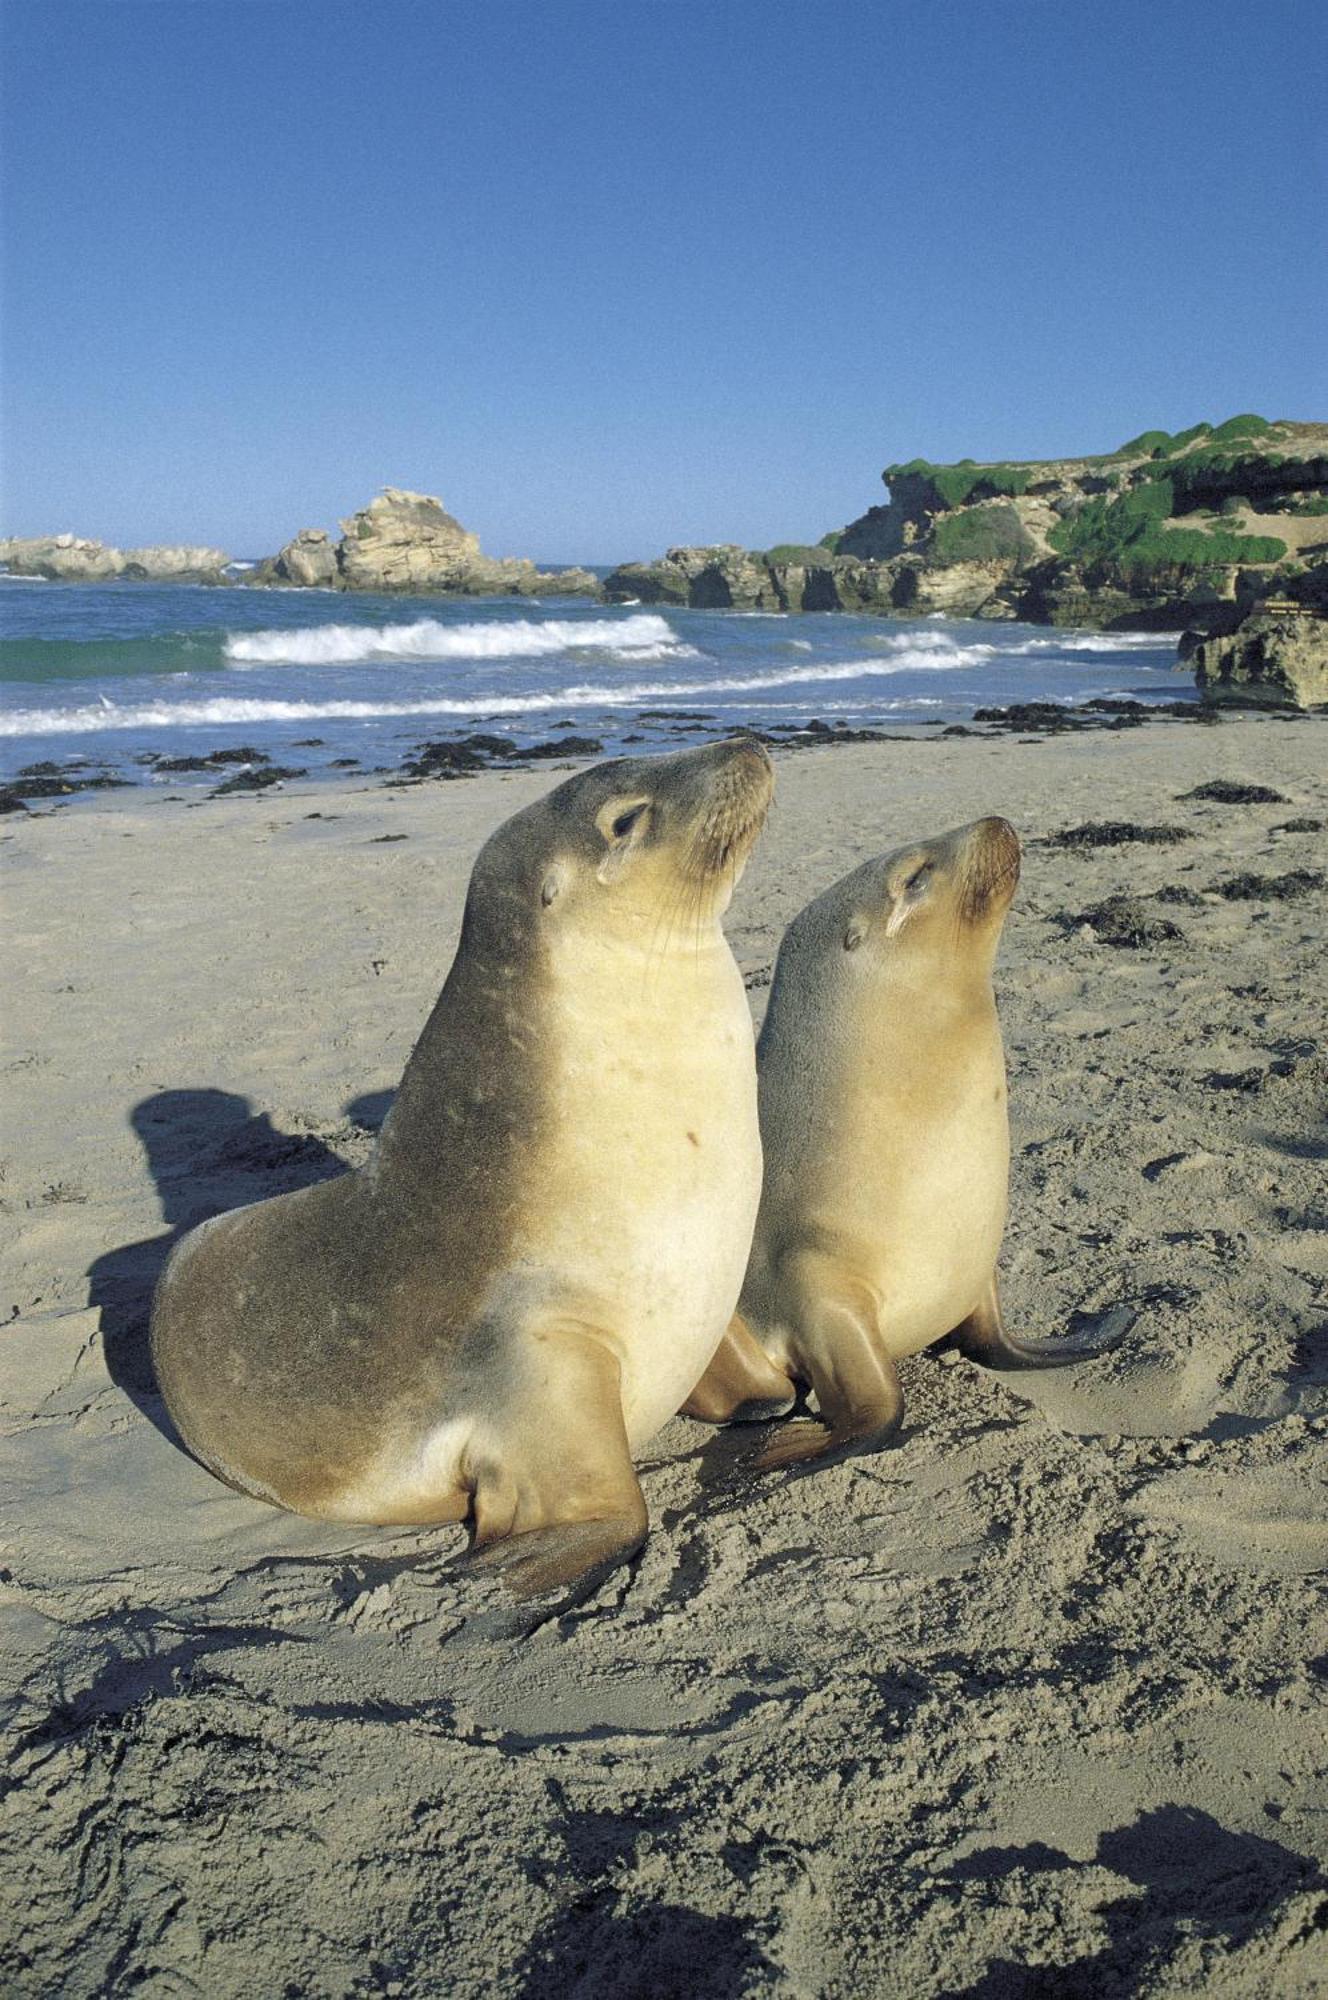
column 839, row 1350
column 984, row 1338
column 742, row 1384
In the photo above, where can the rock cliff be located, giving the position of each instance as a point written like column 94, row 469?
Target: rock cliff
column 1277, row 657
column 406, row 541
column 1165, row 532
column 72, row 559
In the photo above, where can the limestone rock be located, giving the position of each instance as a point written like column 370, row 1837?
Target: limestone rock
column 1163, row 532
column 74, row 559
column 405, row 541
column 175, row 564
column 721, row 577
column 309, row 561
column 1276, row 658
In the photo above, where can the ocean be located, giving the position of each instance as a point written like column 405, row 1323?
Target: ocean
column 122, row 675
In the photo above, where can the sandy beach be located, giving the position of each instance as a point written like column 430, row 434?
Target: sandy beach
column 1031, row 1704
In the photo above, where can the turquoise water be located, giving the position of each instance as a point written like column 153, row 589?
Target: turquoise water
column 112, row 673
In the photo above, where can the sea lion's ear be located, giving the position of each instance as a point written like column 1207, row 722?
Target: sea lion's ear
column 623, row 823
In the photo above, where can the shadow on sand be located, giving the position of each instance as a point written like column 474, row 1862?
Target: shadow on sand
column 1192, row 1879
column 207, row 1152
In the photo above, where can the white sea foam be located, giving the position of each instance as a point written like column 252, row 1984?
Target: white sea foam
column 646, row 636
column 226, row 709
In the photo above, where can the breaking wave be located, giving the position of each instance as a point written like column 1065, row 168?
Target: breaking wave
column 226, row 709
column 646, row 636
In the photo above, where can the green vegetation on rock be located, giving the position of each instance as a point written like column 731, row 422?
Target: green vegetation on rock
column 954, row 484
column 1149, row 442
column 1239, row 427
column 1128, row 531
column 982, row 534
column 811, row 554
column 1162, row 444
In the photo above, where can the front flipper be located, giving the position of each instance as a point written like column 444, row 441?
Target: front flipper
column 984, row 1338
column 574, row 1556
column 557, row 1501
column 839, row 1350
column 742, row 1384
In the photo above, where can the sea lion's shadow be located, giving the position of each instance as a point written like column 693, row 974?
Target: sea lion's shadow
column 208, row 1152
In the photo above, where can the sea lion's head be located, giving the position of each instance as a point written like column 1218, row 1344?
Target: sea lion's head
column 933, row 906
column 644, row 847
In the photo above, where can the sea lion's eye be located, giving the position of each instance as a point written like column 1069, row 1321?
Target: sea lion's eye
column 625, row 821
column 918, row 880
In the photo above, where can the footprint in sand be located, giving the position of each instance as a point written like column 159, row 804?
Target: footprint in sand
column 1272, row 1518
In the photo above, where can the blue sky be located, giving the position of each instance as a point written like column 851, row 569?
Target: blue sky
column 608, row 275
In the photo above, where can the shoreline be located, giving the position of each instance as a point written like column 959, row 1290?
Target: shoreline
column 246, row 769
column 1051, row 1662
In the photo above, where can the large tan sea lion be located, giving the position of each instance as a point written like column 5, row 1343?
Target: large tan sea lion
column 886, row 1137
column 543, row 1252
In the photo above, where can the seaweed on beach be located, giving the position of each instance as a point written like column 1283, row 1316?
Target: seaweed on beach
column 256, row 781
column 211, row 760
column 570, row 746
column 1176, row 892
column 1270, row 888
column 45, row 787
column 1300, row 826
column 1116, row 833
column 1225, row 792
column 1123, row 921
column 461, row 756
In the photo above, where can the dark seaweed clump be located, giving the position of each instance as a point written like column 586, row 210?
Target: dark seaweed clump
column 1223, row 792
column 1123, row 921
column 51, row 781
column 1115, row 833
column 1176, row 892
column 256, row 781
column 1270, row 888
column 460, row 756
column 211, row 760
column 1103, row 712
column 1300, row 826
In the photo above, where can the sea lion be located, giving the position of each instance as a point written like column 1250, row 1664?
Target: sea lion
column 544, row 1250
column 886, row 1136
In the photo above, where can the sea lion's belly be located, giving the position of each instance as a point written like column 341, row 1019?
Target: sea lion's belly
column 652, row 1185
column 916, row 1210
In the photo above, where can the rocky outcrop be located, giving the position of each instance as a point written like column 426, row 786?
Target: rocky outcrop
column 1277, row 657
column 72, row 559
column 405, row 541
column 1168, row 531
column 309, row 561
column 723, row 577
